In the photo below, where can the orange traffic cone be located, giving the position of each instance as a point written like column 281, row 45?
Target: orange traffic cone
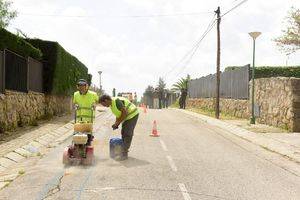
column 154, row 130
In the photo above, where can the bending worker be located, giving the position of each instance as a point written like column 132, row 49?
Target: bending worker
column 127, row 114
column 85, row 101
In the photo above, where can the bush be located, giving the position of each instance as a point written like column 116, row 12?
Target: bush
column 267, row 72
column 61, row 69
column 272, row 71
column 18, row 45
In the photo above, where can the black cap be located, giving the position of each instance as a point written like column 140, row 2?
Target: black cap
column 82, row 82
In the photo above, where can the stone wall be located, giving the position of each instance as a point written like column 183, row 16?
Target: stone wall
column 57, row 105
column 19, row 109
column 278, row 98
column 296, row 103
column 237, row 108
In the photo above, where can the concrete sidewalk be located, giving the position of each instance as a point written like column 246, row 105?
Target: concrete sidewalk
column 285, row 144
column 32, row 143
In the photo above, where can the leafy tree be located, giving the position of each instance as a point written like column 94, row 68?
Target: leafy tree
column 161, row 84
column 289, row 42
column 6, row 14
column 149, row 91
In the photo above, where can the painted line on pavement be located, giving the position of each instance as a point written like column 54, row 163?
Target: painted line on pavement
column 172, row 164
column 163, row 145
column 184, row 191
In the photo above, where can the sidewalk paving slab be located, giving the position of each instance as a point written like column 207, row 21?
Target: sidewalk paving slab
column 14, row 156
column 31, row 149
column 3, row 184
column 23, row 152
column 2, row 169
column 41, row 141
column 56, row 132
column 69, row 125
column 8, row 178
column 5, row 162
column 36, row 144
column 48, row 137
column 62, row 129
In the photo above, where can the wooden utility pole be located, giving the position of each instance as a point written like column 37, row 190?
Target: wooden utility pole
column 218, row 64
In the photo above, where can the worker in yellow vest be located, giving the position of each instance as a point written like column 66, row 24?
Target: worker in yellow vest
column 85, row 101
column 127, row 114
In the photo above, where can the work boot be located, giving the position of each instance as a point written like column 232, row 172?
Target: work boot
column 125, row 156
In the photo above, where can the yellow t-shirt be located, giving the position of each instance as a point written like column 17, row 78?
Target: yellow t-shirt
column 85, row 102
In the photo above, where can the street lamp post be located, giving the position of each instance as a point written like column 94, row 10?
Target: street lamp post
column 100, row 72
column 287, row 59
column 254, row 35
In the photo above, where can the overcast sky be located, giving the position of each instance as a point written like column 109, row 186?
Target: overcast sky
column 134, row 52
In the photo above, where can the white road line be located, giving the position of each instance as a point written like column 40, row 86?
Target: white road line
column 184, row 191
column 163, row 145
column 172, row 164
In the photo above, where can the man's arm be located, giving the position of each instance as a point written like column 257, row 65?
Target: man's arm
column 121, row 107
column 75, row 103
column 122, row 117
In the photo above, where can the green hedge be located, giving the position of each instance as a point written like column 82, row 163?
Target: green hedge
column 266, row 72
column 272, row 71
column 18, row 45
column 61, row 69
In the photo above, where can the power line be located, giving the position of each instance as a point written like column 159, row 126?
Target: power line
column 195, row 46
column 117, row 16
column 233, row 8
column 207, row 31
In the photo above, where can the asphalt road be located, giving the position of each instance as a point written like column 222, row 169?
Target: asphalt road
column 190, row 160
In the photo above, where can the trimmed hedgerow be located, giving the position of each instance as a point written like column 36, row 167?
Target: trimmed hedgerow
column 266, row 72
column 272, row 71
column 18, row 45
column 61, row 69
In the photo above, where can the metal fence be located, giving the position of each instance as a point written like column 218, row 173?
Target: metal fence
column 20, row 74
column 234, row 84
column 35, row 75
column 16, row 72
column 2, row 72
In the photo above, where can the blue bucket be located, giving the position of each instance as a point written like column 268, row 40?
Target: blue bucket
column 115, row 147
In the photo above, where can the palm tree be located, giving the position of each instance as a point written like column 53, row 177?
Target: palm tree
column 181, row 84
